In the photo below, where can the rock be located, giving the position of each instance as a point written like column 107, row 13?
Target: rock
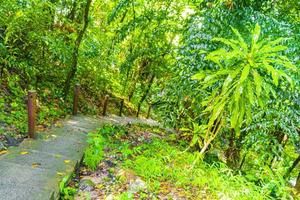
column 126, row 175
column 110, row 197
column 292, row 182
column 137, row 185
column 11, row 141
column 109, row 163
column 86, row 185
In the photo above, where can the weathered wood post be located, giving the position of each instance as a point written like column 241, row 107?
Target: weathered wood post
column 76, row 98
column 31, row 113
column 149, row 111
column 105, row 105
column 121, row 107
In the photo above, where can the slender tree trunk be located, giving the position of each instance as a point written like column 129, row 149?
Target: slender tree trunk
column 230, row 152
column 243, row 161
column 145, row 94
column 149, row 111
column 71, row 15
column 211, row 135
column 283, row 141
column 290, row 169
column 297, row 186
column 133, row 87
column 132, row 90
column 74, row 63
column 126, row 81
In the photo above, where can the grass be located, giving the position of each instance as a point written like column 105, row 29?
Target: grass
column 167, row 168
column 160, row 162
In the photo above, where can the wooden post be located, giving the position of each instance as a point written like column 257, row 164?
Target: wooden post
column 76, row 98
column 105, row 105
column 31, row 113
column 149, row 111
column 121, row 107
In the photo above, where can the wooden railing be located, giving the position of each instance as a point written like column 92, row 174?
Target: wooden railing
column 32, row 98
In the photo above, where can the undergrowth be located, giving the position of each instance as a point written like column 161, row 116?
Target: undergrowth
column 159, row 161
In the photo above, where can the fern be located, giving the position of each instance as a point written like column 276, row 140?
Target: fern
column 94, row 153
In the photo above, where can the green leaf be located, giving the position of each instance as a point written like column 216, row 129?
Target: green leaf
column 218, row 110
column 228, row 42
column 248, row 114
column 250, row 93
column 198, row 76
column 273, row 72
column 234, row 116
column 238, row 92
column 257, row 82
column 256, row 34
column 230, row 78
column 240, row 38
column 245, row 73
column 241, row 115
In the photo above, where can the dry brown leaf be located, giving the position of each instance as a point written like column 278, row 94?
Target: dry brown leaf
column 60, row 173
column 3, row 152
column 59, row 124
column 35, row 165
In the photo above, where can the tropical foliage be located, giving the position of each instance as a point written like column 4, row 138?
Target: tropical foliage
column 224, row 74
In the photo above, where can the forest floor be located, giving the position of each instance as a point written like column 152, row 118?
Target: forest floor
column 146, row 162
column 112, row 179
column 139, row 159
column 34, row 168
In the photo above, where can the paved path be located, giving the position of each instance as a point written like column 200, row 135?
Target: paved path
column 33, row 170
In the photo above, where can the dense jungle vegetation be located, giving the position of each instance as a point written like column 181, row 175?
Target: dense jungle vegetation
column 223, row 73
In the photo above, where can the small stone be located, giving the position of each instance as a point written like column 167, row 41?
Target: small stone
column 11, row 141
column 109, row 163
column 137, row 185
column 86, row 185
column 110, row 197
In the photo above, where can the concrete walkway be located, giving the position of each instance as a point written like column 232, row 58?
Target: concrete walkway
column 33, row 170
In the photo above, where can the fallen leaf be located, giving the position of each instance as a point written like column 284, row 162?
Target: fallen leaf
column 59, row 124
column 24, row 152
column 99, row 186
column 57, row 155
column 54, row 136
column 67, row 161
column 3, row 152
column 35, row 165
column 60, row 173
column 40, row 128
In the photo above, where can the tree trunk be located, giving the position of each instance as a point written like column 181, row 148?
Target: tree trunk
column 290, row 169
column 133, row 87
column 297, row 186
column 243, row 161
column 282, row 141
column 211, row 135
column 145, row 94
column 230, row 152
column 74, row 63
column 149, row 111
column 71, row 15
